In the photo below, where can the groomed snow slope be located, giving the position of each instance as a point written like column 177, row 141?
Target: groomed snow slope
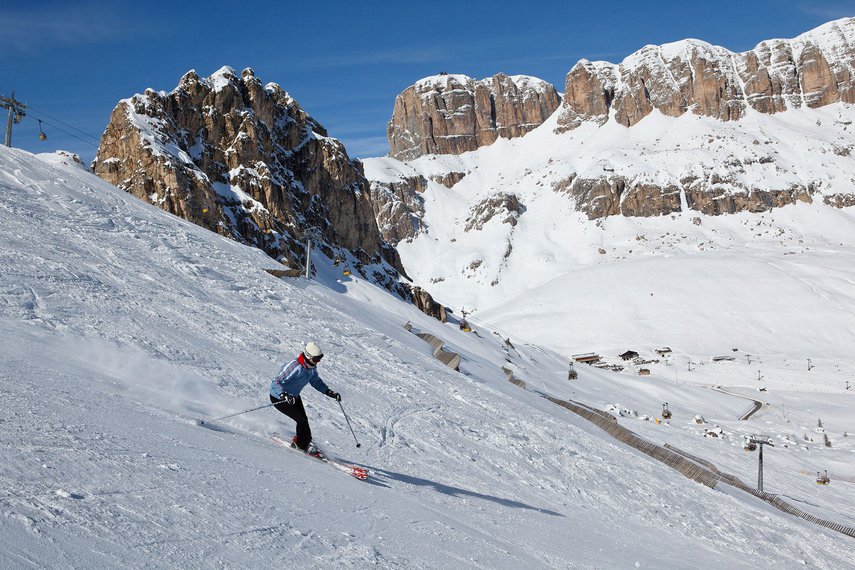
column 121, row 324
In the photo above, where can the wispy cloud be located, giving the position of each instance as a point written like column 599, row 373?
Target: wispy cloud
column 828, row 10
column 30, row 31
column 414, row 56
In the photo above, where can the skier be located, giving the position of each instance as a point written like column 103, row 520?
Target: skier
column 285, row 392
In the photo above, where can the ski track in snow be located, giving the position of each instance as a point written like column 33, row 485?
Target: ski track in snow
column 120, row 322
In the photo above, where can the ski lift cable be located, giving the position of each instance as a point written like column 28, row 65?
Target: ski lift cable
column 30, row 108
column 721, row 423
column 792, row 461
column 787, row 458
column 800, row 464
column 66, row 132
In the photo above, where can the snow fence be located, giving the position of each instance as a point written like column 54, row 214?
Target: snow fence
column 450, row 359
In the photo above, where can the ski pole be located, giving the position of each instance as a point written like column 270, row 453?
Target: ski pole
column 348, row 424
column 203, row 422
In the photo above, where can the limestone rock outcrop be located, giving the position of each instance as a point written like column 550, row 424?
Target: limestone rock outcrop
column 507, row 206
column 243, row 159
column 449, row 179
column 399, row 207
column 425, row 303
column 453, row 114
column 813, row 70
column 615, row 195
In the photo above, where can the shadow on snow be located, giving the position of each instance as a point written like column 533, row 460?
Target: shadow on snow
column 456, row 491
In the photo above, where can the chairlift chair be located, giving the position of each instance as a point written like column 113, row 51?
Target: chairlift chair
column 823, row 479
column 464, row 326
column 666, row 413
column 346, row 271
column 42, row 135
column 749, row 445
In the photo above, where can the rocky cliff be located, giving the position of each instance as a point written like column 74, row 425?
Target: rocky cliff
column 453, row 114
column 813, row 70
column 642, row 159
column 245, row 160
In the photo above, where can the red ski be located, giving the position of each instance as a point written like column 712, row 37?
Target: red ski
column 354, row 471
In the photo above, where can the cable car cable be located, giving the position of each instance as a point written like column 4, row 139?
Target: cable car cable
column 66, row 132
column 63, row 123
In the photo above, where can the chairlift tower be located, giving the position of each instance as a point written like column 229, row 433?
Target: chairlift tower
column 761, row 440
column 17, row 112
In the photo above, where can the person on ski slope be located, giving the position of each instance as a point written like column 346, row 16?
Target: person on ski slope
column 286, row 386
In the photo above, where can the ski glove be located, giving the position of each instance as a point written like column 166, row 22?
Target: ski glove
column 334, row 395
column 288, row 399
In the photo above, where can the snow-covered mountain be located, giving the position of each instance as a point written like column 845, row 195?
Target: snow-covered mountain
column 452, row 114
column 813, row 70
column 243, row 159
column 756, row 206
column 122, row 323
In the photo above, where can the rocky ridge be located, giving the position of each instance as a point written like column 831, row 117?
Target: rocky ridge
column 453, row 114
column 709, row 170
column 243, row 159
column 813, row 70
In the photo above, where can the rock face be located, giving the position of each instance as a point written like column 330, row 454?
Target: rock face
column 813, row 70
column 427, row 305
column 453, row 114
column 507, row 206
column 448, row 179
column 399, row 207
column 615, row 195
column 243, row 159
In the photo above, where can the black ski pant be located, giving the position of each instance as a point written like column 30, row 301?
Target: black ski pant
column 296, row 412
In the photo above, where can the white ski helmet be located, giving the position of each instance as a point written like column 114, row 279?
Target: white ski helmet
column 312, row 350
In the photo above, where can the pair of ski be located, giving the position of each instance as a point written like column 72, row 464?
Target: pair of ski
column 353, row 470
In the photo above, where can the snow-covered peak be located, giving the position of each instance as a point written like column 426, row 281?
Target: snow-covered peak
column 830, row 36
column 442, row 80
column 684, row 48
column 222, row 77
column 526, row 82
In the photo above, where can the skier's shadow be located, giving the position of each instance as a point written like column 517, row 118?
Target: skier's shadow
column 456, row 491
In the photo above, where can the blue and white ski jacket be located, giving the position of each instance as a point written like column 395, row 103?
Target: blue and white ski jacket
column 293, row 378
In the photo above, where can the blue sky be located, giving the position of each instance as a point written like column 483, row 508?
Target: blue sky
column 344, row 62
